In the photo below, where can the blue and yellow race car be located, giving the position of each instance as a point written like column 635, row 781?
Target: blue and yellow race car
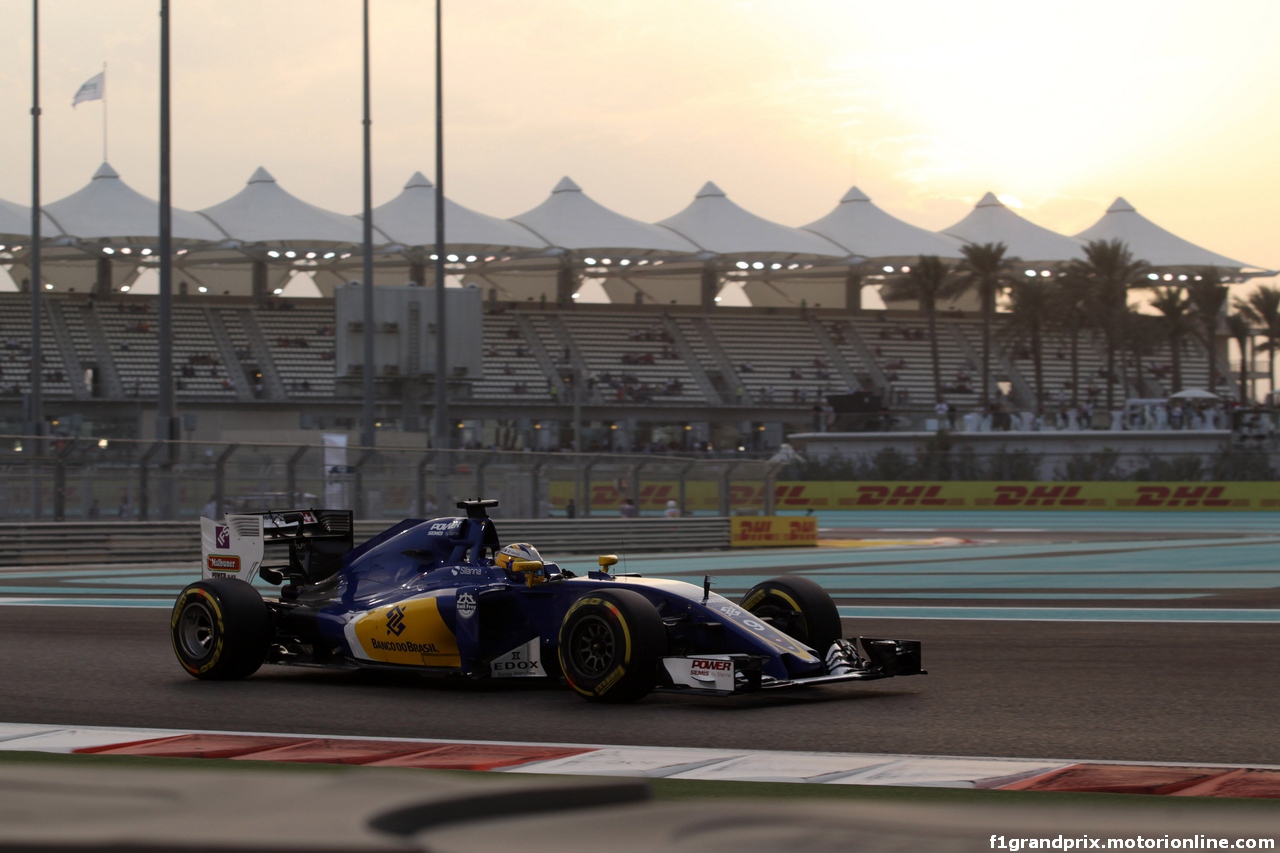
column 443, row 596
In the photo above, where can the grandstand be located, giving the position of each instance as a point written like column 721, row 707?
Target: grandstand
column 659, row 367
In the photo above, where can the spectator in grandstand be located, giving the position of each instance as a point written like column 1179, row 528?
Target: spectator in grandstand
column 746, row 367
column 628, row 508
column 570, row 509
column 796, row 374
column 672, row 510
column 125, row 510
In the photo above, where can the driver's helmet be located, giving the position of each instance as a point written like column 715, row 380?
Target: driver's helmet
column 516, row 552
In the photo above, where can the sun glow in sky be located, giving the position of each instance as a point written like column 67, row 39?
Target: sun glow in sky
column 783, row 103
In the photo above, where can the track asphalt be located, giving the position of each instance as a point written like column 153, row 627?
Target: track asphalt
column 1120, row 636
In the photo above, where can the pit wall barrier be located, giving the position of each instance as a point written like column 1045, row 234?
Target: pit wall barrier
column 748, row 497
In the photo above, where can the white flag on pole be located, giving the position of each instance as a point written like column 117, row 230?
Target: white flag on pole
column 94, row 89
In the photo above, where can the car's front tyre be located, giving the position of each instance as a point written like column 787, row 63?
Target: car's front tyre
column 220, row 629
column 797, row 607
column 610, row 644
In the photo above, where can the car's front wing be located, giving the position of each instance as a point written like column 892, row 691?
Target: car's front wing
column 731, row 674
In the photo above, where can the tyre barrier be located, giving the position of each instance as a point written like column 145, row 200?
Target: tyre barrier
column 77, row 543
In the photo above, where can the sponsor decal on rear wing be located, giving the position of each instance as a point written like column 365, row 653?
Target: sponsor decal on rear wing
column 231, row 548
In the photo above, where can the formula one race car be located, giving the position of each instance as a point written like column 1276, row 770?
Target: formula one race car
column 444, row 597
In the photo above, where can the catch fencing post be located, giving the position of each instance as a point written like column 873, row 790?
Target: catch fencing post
column 361, row 502
column 771, row 488
column 60, row 481
column 484, row 462
column 144, row 502
column 635, row 484
column 422, row 483
column 684, row 492
column 291, row 472
column 726, row 505
column 586, row 492
column 220, row 481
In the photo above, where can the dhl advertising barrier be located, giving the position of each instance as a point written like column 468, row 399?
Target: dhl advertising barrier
column 772, row 531
column 794, row 495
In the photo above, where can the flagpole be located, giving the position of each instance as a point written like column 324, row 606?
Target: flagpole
column 104, row 113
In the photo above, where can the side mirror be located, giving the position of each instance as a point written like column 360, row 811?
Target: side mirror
column 607, row 560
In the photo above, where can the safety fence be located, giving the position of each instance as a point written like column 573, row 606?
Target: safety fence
column 98, row 480
column 178, row 542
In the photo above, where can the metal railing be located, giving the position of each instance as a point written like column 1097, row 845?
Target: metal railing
column 68, row 479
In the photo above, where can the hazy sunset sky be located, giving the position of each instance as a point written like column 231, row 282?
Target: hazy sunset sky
column 783, row 103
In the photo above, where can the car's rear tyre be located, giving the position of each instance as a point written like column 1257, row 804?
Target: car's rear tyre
column 797, row 607
column 610, row 644
column 220, row 629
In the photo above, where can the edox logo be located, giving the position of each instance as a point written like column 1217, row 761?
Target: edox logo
column 395, row 621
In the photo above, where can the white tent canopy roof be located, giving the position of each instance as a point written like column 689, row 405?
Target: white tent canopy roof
column 572, row 220
column 15, row 221
column 864, row 229
column 991, row 222
column 263, row 212
column 410, row 220
column 718, row 225
column 108, row 209
column 1150, row 242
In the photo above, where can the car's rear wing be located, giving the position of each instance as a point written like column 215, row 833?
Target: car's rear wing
column 300, row 545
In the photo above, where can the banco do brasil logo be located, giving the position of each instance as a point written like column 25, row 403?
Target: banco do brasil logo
column 395, row 621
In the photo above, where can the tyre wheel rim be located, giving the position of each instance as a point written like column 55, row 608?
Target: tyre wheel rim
column 591, row 647
column 196, row 630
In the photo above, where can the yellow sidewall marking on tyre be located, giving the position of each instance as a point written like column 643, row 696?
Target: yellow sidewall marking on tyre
column 217, row 646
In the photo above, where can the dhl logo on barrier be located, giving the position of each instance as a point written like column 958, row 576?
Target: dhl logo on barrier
column 772, row 531
column 704, row 495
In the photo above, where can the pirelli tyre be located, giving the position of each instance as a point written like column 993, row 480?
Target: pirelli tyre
column 610, row 645
column 797, row 607
column 220, row 629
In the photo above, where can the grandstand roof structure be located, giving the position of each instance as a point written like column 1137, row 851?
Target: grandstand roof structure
column 265, row 213
column 718, row 225
column 15, row 221
column 409, row 219
column 1151, row 243
column 992, row 222
column 862, row 228
column 571, row 220
column 108, row 209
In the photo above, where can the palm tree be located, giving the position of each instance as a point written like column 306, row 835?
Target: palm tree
column 1110, row 270
column 1238, row 327
column 1031, row 309
column 927, row 282
column 1208, row 295
column 986, row 270
column 1142, row 335
column 1069, row 301
column 1175, row 319
column 1263, row 308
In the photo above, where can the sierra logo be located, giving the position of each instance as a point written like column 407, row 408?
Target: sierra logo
column 223, row 563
